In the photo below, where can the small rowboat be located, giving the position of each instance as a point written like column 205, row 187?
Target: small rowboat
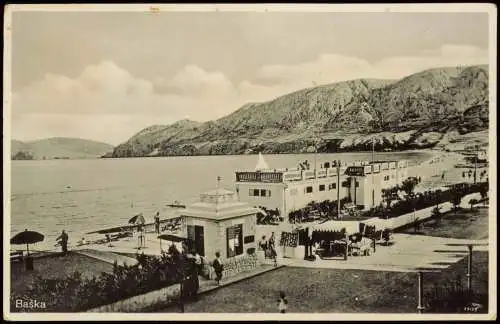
column 176, row 204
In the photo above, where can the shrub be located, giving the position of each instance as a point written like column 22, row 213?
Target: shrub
column 473, row 202
column 436, row 212
column 427, row 199
column 76, row 293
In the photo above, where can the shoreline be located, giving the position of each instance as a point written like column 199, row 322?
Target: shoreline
column 428, row 153
column 423, row 150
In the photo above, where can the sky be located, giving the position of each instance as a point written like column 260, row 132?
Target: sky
column 106, row 75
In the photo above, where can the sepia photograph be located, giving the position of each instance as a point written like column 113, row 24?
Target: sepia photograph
column 259, row 161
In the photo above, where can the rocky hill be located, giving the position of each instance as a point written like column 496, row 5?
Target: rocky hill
column 414, row 112
column 58, row 148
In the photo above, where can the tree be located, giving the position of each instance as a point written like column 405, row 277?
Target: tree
column 436, row 214
column 389, row 195
column 408, row 185
column 456, row 198
column 437, row 196
column 22, row 156
column 472, row 202
column 483, row 190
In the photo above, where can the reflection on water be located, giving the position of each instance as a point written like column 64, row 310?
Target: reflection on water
column 84, row 195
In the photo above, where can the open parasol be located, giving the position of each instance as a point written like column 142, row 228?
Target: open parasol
column 137, row 219
column 172, row 238
column 27, row 237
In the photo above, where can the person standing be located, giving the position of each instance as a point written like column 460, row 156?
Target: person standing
column 63, row 240
column 263, row 244
column 282, row 303
column 195, row 281
column 218, row 267
column 157, row 222
column 272, row 247
column 140, row 231
column 198, row 263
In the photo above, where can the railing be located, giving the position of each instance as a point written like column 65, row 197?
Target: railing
column 292, row 175
column 308, row 175
column 321, row 173
column 274, row 177
column 332, row 172
column 358, row 168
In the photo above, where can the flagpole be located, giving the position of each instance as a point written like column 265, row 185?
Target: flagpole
column 217, row 194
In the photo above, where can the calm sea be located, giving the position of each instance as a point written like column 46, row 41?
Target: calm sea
column 85, row 195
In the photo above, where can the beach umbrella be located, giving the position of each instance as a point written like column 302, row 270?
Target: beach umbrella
column 27, row 237
column 137, row 219
column 172, row 238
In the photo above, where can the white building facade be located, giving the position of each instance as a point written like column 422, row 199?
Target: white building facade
column 291, row 189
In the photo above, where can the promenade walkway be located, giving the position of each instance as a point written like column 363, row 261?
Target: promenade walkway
column 408, row 253
column 129, row 245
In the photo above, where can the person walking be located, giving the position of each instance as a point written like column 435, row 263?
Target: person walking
column 282, row 303
column 63, row 240
column 218, row 267
column 157, row 222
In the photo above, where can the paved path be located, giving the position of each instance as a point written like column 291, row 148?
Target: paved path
column 130, row 244
column 409, row 253
column 107, row 256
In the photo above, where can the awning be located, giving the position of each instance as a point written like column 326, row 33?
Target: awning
column 172, row 238
column 351, row 227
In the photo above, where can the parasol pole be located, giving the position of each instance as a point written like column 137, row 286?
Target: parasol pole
column 27, row 249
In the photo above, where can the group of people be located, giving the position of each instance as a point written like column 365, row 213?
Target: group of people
column 197, row 259
column 195, row 265
column 269, row 248
column 140, row 230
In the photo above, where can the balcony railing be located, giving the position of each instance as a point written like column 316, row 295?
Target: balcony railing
column 285, row 175
column 274, row 177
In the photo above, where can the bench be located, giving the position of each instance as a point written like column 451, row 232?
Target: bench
column 16, row 256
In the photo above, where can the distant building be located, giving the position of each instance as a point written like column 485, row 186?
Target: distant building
column 291, row 189
column 220, row 223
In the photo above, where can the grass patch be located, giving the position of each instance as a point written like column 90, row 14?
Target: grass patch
column 55, row 266
column 462, row 224
column 334, row 290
